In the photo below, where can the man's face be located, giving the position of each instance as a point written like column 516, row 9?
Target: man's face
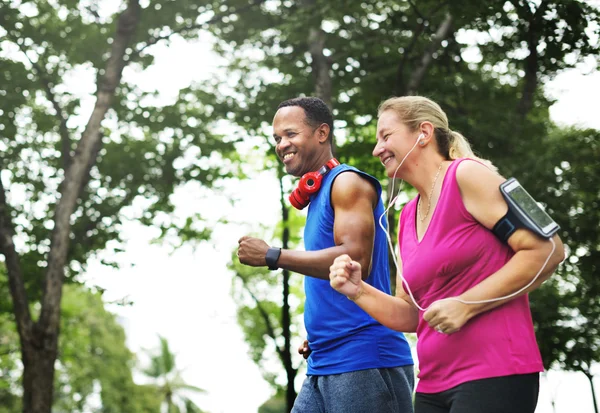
column 297, row 143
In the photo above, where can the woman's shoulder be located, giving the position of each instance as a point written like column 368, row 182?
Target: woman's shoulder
column 471, row 172
column 479, row 189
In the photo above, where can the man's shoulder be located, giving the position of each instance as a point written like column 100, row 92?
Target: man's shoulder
column 352, row 186
column 352, row 178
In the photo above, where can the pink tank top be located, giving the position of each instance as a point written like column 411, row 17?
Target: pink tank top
column 455, row 254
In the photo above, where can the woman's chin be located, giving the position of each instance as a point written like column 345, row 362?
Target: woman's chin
column 390, row 172
column 393, row 173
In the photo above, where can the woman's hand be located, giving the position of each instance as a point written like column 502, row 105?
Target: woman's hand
column 345, row 277
column 447, row 316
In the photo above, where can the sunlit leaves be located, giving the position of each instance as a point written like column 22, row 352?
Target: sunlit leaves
column 150, row 147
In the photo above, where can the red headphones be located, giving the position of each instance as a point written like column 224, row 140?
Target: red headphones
column 310, row 184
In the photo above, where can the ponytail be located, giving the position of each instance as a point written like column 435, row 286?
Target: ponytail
column 414, row 110
column 459, row 147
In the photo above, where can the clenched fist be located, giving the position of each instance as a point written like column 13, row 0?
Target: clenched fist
column 345, row 276
column 252, row 251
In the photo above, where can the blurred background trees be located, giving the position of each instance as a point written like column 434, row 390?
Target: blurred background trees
column 485, row 62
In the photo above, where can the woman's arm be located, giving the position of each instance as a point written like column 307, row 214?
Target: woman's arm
column 393, row 312
column 480, row 192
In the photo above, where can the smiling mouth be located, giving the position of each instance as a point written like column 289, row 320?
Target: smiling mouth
column 288, row 156
column 387, row 159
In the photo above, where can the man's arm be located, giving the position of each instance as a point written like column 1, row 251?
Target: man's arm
column 353, row 199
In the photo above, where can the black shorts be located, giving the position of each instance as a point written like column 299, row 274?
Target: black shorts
column 507, row 394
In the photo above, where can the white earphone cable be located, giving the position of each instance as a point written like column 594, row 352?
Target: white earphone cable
column 391, row 202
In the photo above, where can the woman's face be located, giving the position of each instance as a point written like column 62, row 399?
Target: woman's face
column 394, row 141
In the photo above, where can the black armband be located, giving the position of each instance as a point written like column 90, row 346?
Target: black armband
column 506, row 226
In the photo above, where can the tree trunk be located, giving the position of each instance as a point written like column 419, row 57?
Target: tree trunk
column 320, row 64
column 417, row 75
column 39, row 340
column 38, row 374
column 532, row 64
column 419, row 72
column 290, row 371
column 171, row 408
column 591, row 379
column 531, row 80
column 286, row 320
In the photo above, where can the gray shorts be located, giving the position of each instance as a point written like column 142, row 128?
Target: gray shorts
column 365, row 391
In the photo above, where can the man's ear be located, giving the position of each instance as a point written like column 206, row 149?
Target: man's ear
column 323, row 132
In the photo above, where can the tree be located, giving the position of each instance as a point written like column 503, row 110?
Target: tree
column 39, row 339
column 77, row 178
column 276, row 404
column 94, row 358
column 573, row 199
column 9, row 363
column 377, row 49
column 168, row 381
column 94, row 361
column 372, row 50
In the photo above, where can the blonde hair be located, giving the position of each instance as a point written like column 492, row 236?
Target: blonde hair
column 414, row 110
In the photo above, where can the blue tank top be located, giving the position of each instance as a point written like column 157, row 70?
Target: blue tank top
column 341, row 335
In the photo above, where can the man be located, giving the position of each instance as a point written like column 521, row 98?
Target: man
column 345, row 205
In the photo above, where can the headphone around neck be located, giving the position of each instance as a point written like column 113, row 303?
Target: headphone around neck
column 309, row 184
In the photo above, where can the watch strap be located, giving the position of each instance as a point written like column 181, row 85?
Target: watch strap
column 272, row 257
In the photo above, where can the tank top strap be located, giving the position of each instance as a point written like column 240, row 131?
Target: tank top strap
column 453, row 198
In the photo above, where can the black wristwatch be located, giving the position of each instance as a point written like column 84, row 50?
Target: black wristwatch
column 272, row 257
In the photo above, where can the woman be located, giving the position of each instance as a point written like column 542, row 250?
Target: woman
column 477, row 351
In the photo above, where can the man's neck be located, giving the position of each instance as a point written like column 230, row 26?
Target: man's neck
column 322, row 160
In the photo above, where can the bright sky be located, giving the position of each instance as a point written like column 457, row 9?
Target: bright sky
column 185, row 295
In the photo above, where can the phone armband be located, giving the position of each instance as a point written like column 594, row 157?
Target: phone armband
column 523, row 212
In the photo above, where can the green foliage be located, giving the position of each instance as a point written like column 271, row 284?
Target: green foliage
column 275, row 404
column 149, row 147
column 573, row 200
column 375, row 47
column 51, row 55
column 566, row 29
column 93, row 354
column 9, row 363
column 93, row 359
column 259, row 295
column 494, row 98
column 169, row 386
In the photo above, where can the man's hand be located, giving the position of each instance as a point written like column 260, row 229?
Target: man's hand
column 252, row 251
column 304, row 350
column 447, row 316
column 345, row 276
